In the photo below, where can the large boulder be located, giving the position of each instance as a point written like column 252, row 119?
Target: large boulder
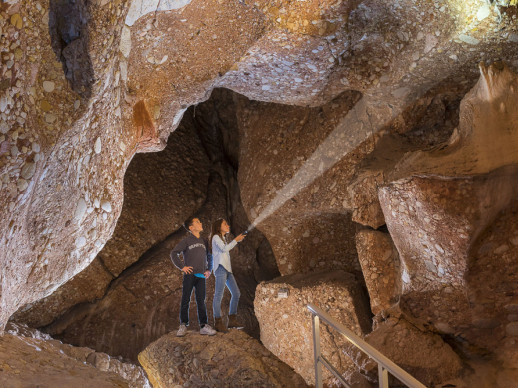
column 491, row 280
column 285, row 321
column 232, row 359
column 422, row 354
column 465, row 185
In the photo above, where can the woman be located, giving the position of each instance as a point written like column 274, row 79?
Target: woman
column 223, row 274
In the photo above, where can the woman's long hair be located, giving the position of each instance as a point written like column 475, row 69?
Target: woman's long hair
column 216, row 230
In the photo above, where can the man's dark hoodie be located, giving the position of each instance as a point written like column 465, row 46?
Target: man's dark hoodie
column 195, row 252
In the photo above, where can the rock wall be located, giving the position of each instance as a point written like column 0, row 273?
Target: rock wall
column 157, row 201
column 86, row 85
column 193, row 175
column 83, row 90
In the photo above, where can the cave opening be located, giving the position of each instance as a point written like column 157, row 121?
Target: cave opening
column 132, row 290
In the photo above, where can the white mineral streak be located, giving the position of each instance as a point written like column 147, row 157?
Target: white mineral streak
column 125, row 43
column 178, row 116
column 469, row 39
column 97, row 147
column 80, row 209
column 140, row 8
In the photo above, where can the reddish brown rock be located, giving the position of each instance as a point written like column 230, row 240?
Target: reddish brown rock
column 491, row 284
column 422, row 354
column 438, row 214
column 72, row 75
column 434, row 258
column 150, row 213
column 143, row 301
column 231, row 359
column 285, row 321
column 380, row 266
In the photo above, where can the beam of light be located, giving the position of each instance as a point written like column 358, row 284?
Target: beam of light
column 368, row 116
column 372, row 112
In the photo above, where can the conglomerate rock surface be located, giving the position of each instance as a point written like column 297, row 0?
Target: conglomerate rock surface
column 142, row 302
column 348, row 114
column 161, row 191
column 83, row 90
column 281, row 308
column 435, row 261
column 232, row 359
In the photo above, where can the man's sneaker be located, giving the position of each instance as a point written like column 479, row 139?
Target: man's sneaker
column 207, row 330
column 182, row 331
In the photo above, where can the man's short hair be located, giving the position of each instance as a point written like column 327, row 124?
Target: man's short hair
column 188, row 222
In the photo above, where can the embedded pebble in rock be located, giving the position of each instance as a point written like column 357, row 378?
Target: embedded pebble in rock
column 28, row 170
column 50, row 118
column 22, row 184
column 4, row 128
column 80, row 209
column 97, row 146
column 80, row 242
column 125, row 42
column 469, row 39
column 106, row 206
column 48, row 86
column 483, row 12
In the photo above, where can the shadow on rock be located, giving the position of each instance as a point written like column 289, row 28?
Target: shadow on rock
column 68, row 28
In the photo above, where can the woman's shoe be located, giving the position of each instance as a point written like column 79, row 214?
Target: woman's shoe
column 219, row 325
column 207, row 330
column 233, row 323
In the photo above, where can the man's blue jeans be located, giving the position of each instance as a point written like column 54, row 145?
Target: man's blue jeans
column 223, row 277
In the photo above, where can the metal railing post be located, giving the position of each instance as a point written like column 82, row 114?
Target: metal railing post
column 316, row 351
column 382, row 377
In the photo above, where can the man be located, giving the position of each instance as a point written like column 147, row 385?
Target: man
column 196, row 267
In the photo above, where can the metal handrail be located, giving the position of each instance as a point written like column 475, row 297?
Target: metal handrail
column 384, row 364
